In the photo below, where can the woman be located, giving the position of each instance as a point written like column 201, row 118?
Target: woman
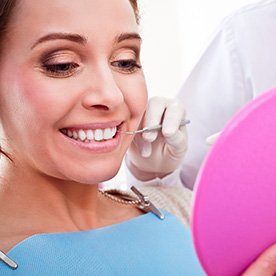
column 70, row 81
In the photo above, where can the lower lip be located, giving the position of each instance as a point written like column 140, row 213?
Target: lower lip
column 94, row 146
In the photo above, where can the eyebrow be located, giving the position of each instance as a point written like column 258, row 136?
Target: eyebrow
column 81, row 39
column 65, row 36
column 126, row 36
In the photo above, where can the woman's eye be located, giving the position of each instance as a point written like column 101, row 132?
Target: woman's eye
column 126, row 65
column 65, row 69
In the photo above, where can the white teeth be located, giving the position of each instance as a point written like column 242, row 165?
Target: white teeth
column 107, row 134
column 75, row 135
column 113, row 131
column 91, row 135
column 98, row 135
column 69, row 133
column 82, row 135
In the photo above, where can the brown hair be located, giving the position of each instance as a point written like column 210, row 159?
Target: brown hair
column 6, row 7
column 134, row 5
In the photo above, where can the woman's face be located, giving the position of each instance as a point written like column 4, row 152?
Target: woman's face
column 70, row 77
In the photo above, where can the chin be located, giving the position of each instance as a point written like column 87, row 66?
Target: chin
column 95, row 175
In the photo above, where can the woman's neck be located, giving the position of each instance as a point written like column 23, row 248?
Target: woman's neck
column 42, row 199
column 33, row 203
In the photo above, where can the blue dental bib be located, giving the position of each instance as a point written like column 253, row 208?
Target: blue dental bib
column 144, row 245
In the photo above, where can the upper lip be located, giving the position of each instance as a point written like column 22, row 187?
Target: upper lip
column 96, row 125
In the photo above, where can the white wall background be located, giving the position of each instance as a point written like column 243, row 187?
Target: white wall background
column 174, row 34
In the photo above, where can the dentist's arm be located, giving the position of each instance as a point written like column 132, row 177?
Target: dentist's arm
column 156, row 154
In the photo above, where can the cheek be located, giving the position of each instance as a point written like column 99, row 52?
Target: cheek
column 41, row 99
column 39, row 96
column 26, row 94
column 31, row 106
column 136, row 97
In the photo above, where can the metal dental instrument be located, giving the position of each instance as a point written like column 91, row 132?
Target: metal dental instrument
column 148, row 129
column 146, row 204
column 8, row 261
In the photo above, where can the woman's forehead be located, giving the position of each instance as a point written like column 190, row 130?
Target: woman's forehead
column 97, row 20
column 97, row 12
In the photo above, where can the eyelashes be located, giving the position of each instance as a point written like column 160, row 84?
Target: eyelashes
column 60, row 64
column 126, row 65
column 62, row 70
column 64, row 64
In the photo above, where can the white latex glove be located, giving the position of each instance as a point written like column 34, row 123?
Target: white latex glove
column 212, row 139
column 158, row 153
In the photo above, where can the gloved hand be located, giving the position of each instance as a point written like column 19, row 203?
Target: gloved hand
column 210, row 140
column 158, row 153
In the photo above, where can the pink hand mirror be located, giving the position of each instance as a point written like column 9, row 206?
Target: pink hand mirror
column 234, row 208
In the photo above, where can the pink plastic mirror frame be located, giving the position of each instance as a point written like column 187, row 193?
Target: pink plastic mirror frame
column 234, row 217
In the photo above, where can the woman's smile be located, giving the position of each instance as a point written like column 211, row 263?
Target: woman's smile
column 98, row 137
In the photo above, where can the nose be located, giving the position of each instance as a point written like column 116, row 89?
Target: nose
column 102, row 90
